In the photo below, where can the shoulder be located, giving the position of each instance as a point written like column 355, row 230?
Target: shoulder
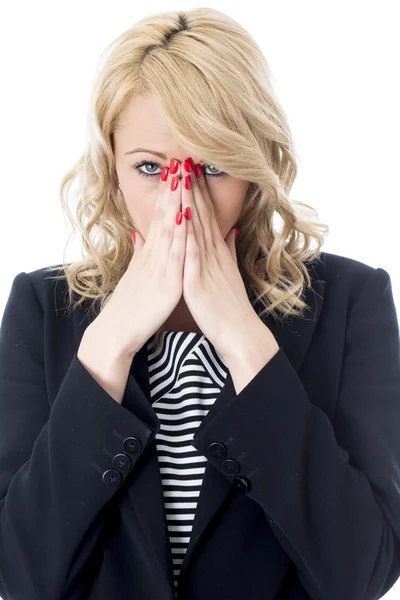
column 44, row 275
column 47, row 283
column 346, row 278
column 331, row 266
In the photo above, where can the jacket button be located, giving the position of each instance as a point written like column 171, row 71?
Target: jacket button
column 242, row 484
column 122, row 462
column 230, row 467
column 112, row 478
column 132, row 445
column 216, row 450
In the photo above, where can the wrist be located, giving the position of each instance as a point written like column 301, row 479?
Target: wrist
column 96, row 342
column 109, row 369
column 254, row 344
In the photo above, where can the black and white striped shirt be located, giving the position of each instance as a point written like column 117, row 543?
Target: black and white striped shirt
column 185, row 379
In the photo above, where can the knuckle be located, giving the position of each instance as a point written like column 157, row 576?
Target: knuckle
column 166, row 230
column 160, row 213
column 193, row 252
column 176, row 255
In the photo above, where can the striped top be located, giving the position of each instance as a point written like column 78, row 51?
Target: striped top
column 185, row 379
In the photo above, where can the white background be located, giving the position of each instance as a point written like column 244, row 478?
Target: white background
column 335, row 68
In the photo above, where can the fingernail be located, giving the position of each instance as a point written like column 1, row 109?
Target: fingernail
column 134, row 235
column 187, row 213
column 236, row 232
column 188, row 164
column 173, row 167
column 198, row 171
column 188, row 182
column 174, row 183
column 178, row 218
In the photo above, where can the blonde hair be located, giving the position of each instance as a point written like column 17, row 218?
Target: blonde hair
column 233, row 119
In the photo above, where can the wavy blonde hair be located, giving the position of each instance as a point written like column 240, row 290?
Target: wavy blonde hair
column 233, row 119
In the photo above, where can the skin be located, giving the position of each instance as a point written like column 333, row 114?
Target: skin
column 143, row 125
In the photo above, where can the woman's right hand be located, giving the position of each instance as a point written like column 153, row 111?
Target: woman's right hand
column 152, row 285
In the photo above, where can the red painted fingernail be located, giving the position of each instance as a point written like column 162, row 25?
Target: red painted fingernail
column 164, row 174
column 187, row 213
column 174, row 183
column 236, row 232
column 178, row 218
column 198, row 170
column 134, row 236
column 173, row 167
column 188, row 164
column 187, row 180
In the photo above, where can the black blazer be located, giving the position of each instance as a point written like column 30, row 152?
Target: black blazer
column 301, row 493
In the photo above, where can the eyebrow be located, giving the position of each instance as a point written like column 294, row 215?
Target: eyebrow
column 160, row 154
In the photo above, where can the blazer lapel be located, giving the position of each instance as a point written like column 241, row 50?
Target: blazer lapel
column 145, row 492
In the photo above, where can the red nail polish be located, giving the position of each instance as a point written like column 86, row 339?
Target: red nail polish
column 173, row 167
column 164, row 174
column 188, row 182
column 198, row 170
column 188, row 164
column 236, row 232
column 188, row 213
column 178, row 218
column 174, row 183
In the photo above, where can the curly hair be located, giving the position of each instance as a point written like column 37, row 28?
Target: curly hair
column 234, row 120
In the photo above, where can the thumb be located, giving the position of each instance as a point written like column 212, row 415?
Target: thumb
column 231, row 243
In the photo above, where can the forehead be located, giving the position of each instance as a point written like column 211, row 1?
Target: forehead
column 145, row 119
column 144, row 114
column 143, row 125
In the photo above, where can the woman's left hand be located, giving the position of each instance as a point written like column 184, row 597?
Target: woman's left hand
column 213, row 288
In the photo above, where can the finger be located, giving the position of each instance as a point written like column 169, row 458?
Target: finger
column 164, row 197
column 195, row 252
column 168, row 227
column 164, row 222
column 160, row 202
column 177, row 251
column 205, row 210
column 194, row 226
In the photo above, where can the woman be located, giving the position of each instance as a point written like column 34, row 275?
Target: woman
column 225, row 424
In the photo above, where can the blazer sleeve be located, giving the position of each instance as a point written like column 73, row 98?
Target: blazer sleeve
column 59, row 467
column 330, row 491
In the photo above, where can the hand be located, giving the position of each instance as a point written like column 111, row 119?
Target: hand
column 213, row 287
column 151, row 286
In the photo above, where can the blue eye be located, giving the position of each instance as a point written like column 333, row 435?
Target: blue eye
column 146, row 162
column 157, row 174
column 220, row 174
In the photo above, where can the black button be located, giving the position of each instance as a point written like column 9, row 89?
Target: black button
column 122, row 462
column 241, row 484
column 216, row 450
column 112, row 478
column 132, row 445
column 230, row 467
